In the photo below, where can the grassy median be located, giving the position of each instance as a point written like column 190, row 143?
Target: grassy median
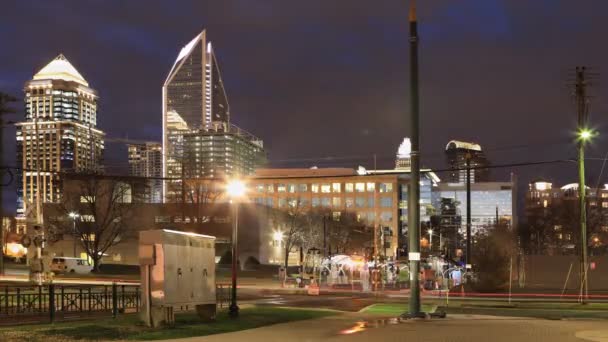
column 545, row 310
column 128, row 327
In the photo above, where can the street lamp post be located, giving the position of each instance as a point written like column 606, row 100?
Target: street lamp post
column 235, row 190
column 74, row 216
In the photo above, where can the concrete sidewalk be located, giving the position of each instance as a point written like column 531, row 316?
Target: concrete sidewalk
column 455, row 328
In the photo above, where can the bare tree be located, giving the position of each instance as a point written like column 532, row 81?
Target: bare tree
column 293, row 221
column 105, row 207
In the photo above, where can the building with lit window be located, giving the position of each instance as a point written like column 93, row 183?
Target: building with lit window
column 146, row 160
column 196, row 111
column 552, row 215
column 59, row 134
column 491, row 202
column 377, row 198
column 222, row 153
column 457, row 153
column 403, row 160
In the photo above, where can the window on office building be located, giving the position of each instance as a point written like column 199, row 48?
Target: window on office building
column 281, row 188
column 335, row 202
column 315, row 202
column 360, row 202
column 360, row 187
column 386, row 202
column 291, row 188
column 386, row 216
column 349, row 202
column 325, row 188
column 325, row 202
column 385, row 187
column 314, row 188
column 371, row 187
column 349, row 187
column 302, row 187
column 335, row 187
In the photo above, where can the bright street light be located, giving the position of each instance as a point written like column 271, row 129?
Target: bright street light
column 585, row 134
column 277, row 236
column 235, row 188
column 73, row 215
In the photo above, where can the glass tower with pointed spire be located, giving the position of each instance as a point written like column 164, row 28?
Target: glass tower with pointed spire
column 58, row 134
column 198, row 137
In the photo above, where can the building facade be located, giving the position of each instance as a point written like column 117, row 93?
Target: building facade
column 146, row 160
column 457, row 153
column 552, row 215
column 222, row 154
column 378, row 199
column 491, row 202
column 59, row 134
column 196, row 122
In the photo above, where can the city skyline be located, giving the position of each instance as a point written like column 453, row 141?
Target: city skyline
column 336, row 57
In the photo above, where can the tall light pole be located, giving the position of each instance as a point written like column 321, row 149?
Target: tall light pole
column 414, row 184
column 235, row 189
column 5, row 101
column 74, row 216
column 584, row 134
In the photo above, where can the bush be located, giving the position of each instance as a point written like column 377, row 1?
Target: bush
column 493, row 252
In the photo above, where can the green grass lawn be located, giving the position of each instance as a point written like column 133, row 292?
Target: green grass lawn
column 394, row 309
column 128, row 327
column 498, row 308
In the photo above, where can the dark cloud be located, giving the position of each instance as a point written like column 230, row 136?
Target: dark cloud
column 330, row 78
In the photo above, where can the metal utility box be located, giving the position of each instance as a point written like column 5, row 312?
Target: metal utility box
column 177, row 270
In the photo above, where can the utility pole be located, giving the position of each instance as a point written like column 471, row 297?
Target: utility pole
column 583, row 135
column 5, row 99
column 414, row 186
column 469, row 259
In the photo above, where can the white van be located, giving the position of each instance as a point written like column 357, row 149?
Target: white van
column 70, row 265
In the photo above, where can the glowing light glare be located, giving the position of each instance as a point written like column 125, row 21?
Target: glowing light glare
column 585, row 134
column 235, row 188
column 73, row 215
column 430, row 232
column 277, row 236
column 358, row 327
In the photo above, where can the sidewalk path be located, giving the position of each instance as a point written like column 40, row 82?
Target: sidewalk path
column 455, row 328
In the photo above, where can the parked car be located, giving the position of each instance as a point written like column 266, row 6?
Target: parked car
column 70, row 265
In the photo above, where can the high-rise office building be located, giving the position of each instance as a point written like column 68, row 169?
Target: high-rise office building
column 146, row 160
column 403, row 160
column 58, row 134
column 457, row 153
column 196, row 120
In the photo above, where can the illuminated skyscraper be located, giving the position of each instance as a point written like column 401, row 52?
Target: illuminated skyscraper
column 404, row 161
column 145, row 160
column 196, row 111
column 457, row 153
column 58, row 134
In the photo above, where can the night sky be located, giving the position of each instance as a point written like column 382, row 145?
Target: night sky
column 325, row 82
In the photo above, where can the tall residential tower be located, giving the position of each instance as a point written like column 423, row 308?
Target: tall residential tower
column 58, row 134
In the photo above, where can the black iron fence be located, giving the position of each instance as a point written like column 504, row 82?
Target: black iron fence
column 60, row 301
column 52, row 302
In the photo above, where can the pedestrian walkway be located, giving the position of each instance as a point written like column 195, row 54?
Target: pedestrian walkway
column 455, row 328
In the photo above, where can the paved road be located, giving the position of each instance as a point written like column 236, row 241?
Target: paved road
column 456, row 328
